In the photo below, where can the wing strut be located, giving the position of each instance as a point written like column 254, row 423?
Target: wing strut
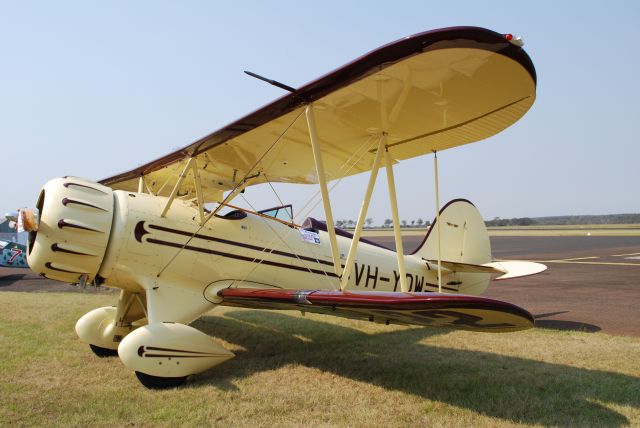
column 199, row 197
column 174, row 192
column 435, row 170
column 363, row 213
column 322, row 180
column 396, row 222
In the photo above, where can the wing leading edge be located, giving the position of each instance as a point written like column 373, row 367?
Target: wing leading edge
column 426, row 309
column 430, row 91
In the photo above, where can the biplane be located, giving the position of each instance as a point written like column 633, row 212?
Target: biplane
column 167, row 235
column 13, row 254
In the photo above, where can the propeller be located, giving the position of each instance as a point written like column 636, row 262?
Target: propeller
column 24, row 220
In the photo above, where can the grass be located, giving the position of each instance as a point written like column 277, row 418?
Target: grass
column 317, row 371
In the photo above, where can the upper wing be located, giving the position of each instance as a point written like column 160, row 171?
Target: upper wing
column 431, row 91
column 427, row 309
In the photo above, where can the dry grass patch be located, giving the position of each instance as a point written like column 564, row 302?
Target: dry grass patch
column 317, row 371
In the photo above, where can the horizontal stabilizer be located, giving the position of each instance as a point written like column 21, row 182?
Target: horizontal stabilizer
column 517, row 268
column 507, row 269
column 465, row 267
column 426, row 309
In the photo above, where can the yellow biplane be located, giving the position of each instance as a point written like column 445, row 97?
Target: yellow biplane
column 167, row 235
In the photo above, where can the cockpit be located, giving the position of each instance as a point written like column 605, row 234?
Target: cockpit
column 284, row 213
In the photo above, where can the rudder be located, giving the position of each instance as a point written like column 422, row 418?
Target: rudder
column 463, row 239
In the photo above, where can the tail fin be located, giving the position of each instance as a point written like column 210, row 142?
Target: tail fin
column 464, row 240
column 463, row 235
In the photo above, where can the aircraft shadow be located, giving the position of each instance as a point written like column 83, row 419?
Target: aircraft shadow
column 511, row 388
column 564, row 325
column 8, row 280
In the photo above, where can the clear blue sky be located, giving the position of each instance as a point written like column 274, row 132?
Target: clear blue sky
column 95, row 88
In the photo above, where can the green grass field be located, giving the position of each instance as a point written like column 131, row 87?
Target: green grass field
column 317, row 371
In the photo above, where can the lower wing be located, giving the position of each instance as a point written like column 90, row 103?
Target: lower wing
column 426, row 309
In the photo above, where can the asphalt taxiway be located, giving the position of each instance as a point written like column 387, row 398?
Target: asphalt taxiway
column 592, row 283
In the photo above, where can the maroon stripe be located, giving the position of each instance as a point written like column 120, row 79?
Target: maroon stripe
column 56, row 248
column 155, row 348
column 238, row 244
column 83, row 185
column 239, row 257
column 66, row 201
column 424, row 240
column 182, row 356
column 49, row 266
column 62, row 224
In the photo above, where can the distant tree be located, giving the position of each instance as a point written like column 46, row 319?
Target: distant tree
column 404, row 223
column 387, row 222
column 525, row 221
column 413, row 222
column 369, row 221
column 420, row 222
column 339, row 224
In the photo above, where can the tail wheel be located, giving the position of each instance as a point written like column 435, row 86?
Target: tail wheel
column 156, row 382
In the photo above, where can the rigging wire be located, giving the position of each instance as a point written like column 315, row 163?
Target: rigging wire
column 270, row 251
column 232, row 192
column 349, row 163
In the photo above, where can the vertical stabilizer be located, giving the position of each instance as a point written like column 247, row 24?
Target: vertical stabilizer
column 463, row 239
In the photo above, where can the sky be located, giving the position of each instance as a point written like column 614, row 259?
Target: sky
column 93, row 89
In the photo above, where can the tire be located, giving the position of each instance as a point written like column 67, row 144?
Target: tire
column 155, row 382
column 103, row 352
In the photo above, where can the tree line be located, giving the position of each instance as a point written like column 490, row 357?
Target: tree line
column 516, row 221
column 350, row 224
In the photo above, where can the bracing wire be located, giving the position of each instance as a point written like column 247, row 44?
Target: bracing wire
column 232, row 193
column 349, row 164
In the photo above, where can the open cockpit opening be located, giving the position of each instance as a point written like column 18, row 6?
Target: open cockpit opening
column 283, row 214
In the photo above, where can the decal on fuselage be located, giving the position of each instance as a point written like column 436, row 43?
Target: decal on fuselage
column 310, row 236
column 369, row 276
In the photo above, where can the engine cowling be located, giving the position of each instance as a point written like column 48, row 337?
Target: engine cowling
column 73, row 230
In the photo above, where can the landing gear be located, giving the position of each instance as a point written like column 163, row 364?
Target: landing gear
column 104, row 328
column 156, row 382
column 103, row 352
column 164, row 354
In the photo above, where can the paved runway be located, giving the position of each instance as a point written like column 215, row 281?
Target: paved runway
column 592, row 284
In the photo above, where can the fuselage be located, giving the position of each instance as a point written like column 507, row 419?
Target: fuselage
column 89, row 232
column 250, row 250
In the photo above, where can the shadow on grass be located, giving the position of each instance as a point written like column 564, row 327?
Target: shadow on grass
column 510, row 388
column 564, row 325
